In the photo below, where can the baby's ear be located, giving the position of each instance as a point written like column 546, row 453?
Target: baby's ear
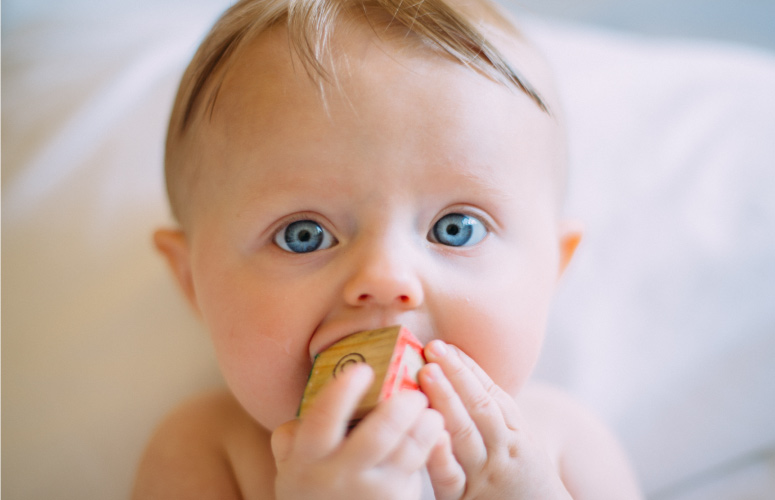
column 173, row 245
column 570, row 233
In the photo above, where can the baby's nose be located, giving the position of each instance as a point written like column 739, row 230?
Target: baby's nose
column 384, row 278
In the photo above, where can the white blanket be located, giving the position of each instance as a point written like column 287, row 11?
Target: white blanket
column 665, row 324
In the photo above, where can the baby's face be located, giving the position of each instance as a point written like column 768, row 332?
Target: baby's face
column 420, row 196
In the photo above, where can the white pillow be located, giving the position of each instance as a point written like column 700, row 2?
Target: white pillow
column 97, row 343
column 666, row 320
column 664, row 323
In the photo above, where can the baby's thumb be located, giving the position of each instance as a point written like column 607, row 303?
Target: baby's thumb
column 282, row 440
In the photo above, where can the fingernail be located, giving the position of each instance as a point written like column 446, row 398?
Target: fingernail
column 438, row 348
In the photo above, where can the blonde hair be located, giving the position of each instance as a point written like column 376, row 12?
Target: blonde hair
column 310, row 25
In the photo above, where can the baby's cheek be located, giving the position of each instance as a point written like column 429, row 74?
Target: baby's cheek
column 508, row 363
column 267, row 378
column 504, row 343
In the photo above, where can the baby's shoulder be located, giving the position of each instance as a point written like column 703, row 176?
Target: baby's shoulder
column 208, row 447
column 589, row 458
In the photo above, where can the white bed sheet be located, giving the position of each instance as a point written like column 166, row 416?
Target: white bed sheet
column 665, row 324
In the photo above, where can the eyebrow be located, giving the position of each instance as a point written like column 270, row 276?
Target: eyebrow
column 487, row 185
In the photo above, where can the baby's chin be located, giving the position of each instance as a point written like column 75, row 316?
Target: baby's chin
column 268, row 414
column 270, row 421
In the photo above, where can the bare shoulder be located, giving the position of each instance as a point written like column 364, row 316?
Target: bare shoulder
column 589, row 459
column 208, row 447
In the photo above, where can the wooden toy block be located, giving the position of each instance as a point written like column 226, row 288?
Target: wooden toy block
column 394, row 354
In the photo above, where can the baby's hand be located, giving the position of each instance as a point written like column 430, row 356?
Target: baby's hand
column 380, row 459
column 494, row 455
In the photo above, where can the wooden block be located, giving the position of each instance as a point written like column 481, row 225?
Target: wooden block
column 394, row 354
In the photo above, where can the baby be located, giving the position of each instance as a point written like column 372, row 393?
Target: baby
column 345, row 165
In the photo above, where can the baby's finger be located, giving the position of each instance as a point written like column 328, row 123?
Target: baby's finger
column 446, row 475
column 467, row 443
column 418, row 443
column 511, row 414
column 476, row 392
column 325, row 424
column 384, row 429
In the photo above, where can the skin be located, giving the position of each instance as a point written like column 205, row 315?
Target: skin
column 411, row 138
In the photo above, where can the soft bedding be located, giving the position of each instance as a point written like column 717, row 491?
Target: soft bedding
column 665, row 324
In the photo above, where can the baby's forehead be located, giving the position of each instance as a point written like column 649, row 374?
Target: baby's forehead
column 388, row 100
column 269, row 63
column 268, row 80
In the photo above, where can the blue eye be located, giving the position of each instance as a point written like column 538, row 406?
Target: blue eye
column 457, row 230
column 304, row 236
